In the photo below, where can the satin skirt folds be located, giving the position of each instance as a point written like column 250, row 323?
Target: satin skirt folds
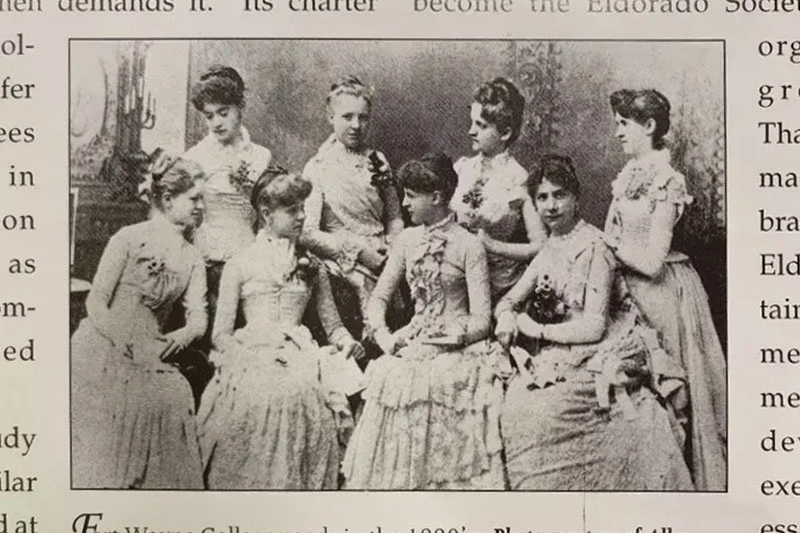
column 265, row 420
column 676, row 305
column 559, row 438
column 133, row 424
column 430, row 421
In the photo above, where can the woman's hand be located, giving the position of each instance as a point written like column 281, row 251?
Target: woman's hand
column 351, row 348
column 372, row 258
column 175, row 342
column 389, row 342
column 529, row 327
column 506, row 330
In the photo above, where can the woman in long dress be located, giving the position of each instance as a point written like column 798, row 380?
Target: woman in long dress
column 492, row 197
column 584, row 412
column 133, row 412
column 232, row 163
column 649, row 197
column 269, row 418
column 430, row 419
column 353, row 211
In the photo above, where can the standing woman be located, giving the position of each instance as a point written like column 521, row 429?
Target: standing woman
column 269, row 418
column 649, row 197
column 232, row 163
column 353, row 211
column 492, row 196
column 133, row 412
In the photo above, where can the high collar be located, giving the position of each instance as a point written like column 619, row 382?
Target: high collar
column 441, row 224
column 495, row 160
column 240, row 144
column 656, row 158
column 333, row 145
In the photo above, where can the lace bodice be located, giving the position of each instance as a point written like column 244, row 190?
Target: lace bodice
column 490, row 194
column 637, row 223
column 274, row 286
column 446, row 270
column 227, row 223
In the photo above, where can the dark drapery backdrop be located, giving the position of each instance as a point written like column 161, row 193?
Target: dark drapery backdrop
column 423, row 90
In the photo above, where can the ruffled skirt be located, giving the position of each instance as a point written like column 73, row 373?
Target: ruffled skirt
column 265, row 421
column 676, row 305
column 133, row 424
column 430, row 421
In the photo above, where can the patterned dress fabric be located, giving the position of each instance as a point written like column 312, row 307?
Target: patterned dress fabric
column 573, row 417
column 675, row 304
column 133, row 415
column 490, row 196
column 347, row 208
column 430, row 420
column 268, row 419
column 228, row 221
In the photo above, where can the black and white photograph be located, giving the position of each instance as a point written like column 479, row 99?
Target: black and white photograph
column 398, row 265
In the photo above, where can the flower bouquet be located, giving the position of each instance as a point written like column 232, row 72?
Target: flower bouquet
column 242, row 178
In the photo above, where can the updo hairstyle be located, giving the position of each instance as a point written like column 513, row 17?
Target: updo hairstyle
column 177, row 179
column 219, row 85
column 502, row 105
column 349, row 85
column 277, row 187
column 642, row 105
column 558, row 170
column 431, row 173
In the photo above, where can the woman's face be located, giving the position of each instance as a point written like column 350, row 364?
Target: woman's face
column 286, row 221
column 636, row 139
column 186, row 209
column 421, row 207
column 223, row 121
column 557, row 207
column 485, row 137
column 349, row 116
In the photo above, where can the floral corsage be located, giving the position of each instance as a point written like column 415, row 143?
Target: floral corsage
column 242, row 178
column 306, row 268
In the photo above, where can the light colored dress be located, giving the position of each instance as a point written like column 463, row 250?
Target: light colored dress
column 266, row 419
column 133, row 415
column 228, row 220
column 490, row 196
column 345, row 208
column 673, row 300
column 430, row 420
column 571, row 419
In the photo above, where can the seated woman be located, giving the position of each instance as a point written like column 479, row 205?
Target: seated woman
column 132, row 411
column 583, row 413
column 430, row 419
column 266, row 419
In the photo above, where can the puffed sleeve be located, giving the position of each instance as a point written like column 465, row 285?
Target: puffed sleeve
column 326, row 307
column 227, row 304
column 194, row 301
column 646, row 251
column 389, row 280
column 106, row 278
column 478, row 290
